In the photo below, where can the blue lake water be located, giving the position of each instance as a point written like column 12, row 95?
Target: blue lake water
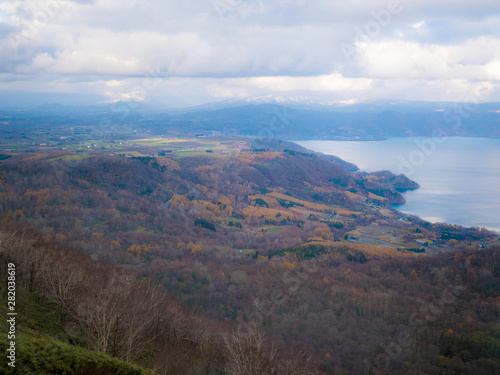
column 459, row 177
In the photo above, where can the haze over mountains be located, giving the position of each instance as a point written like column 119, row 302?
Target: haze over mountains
column 283, row 117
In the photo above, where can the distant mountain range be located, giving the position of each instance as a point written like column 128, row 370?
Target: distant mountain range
column 296, row 119
column 289, row 118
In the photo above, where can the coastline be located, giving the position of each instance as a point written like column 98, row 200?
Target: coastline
column 428, row 199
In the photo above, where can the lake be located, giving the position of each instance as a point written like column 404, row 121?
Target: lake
column 459, row 177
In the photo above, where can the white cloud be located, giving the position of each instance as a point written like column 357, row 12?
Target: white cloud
column 402, row 59
column 333, row 82
column 250, row 47
column 418, row 25
column 114, row 83
column 493, row 70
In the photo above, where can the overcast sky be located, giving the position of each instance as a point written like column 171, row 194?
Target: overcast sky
column 183, row 53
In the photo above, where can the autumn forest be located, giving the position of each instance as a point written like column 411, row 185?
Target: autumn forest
column 223, row 255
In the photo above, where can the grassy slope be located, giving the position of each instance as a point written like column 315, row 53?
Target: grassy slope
column 42, row 346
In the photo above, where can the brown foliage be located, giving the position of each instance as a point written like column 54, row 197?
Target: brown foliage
column 109, row 310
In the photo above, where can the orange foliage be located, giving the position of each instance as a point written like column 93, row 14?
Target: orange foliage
column 102, row 194
column 353, row 196
column 253, row 158
column 312, row 206
column 179, row 201
column 194, row 248
column 376, row 197
column 324, row 233
column 204, row 168
column 18, row 213
column 413, row 275
column 43, row 196
column 167, row 162
column 138, row 249
column 226, row 204
column 268, row 214
column 210, row 206
column 271, row 202
column 50, row 155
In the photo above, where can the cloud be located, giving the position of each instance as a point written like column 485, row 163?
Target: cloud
column 251, row 47
column 114, row 83
column 403, row 59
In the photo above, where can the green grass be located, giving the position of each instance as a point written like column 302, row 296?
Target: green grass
column 270, row 229
column 192, row 153
column 43, row 355
column 35, row 312
column 249, row 251
column 71, row 157
column 14, row 145
column 141, row 229
column 43, row 347
column 275, row 229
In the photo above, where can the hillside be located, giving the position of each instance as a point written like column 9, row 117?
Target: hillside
column 296, row 245
column 407, row 315
column 77, row 316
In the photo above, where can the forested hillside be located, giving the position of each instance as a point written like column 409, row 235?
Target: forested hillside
column 217, row 257
column 74, row 314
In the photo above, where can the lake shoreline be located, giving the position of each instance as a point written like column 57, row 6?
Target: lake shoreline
column 459, row 169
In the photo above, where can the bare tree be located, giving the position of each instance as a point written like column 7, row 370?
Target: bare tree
column 249, row 353
column 60, row 276
column 97, row 311
column 142, row 312
column 296, row 362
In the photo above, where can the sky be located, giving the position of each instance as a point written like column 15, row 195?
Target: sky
column 191, row 52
